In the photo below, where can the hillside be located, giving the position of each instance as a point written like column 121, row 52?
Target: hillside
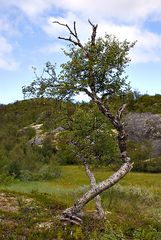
column 30, row 144
column 40, row 174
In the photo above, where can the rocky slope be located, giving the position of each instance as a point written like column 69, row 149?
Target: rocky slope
column 143, row 127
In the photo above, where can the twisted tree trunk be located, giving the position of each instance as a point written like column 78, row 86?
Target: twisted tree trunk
column 73, row 214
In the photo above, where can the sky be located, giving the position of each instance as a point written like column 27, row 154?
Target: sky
column 28, row 37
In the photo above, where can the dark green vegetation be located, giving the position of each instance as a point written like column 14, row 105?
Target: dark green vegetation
column 82, row 123
column 32, row 144
column 133, row 208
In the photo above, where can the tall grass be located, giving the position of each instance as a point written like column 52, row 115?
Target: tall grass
column 133, row 207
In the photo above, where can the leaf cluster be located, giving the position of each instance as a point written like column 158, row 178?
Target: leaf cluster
column 102, row 71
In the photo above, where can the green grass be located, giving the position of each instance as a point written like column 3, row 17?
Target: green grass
column 74, row 176
column 133, row 205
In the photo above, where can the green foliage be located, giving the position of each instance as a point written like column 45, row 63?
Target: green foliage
column 146, row 234
column 90, row 137
column 145, row 103
column 98, row 66
column 152, row 165
column 139, row 151
column 42, row 86
column 83, row 124
column 46, row 172
column 110, row 233
column 102, row 71
column 14, row 169
column 17, row 156
column 5, row 179
column 29, row 132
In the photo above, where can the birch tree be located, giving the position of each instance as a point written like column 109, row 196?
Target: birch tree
column 97, row 69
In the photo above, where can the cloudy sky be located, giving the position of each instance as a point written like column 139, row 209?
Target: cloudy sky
column 29, row 38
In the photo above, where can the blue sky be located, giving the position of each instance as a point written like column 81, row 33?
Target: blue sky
column 29, row 38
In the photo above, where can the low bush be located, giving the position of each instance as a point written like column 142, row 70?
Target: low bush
column 46, row 172
column 151, row 165
column 6, row 179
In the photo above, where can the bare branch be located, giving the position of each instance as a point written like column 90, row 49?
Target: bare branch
column 70, row 40
column 77, row 41
column 120, row 112
column 93, row 36
column 72, row 33
column 75, row 31
column 65, row 25
column 91, row 23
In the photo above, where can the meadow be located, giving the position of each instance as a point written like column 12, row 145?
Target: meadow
column 133, row 207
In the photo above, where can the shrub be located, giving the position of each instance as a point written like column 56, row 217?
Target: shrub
column 152, row 165
column 46, row 172
column 6, row 179
column 14, row 169
column 146, row 234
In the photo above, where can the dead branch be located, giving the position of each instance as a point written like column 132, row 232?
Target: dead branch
column 120, row 112
column 75, row 40
column 94, row 29
column 72, row 33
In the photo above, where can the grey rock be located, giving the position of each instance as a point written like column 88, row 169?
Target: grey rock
column 143, row 127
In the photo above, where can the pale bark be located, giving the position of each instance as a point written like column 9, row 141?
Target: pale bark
column 99, row 208
column 73, row 214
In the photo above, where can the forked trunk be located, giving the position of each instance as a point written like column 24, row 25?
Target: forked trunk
column 73, row 214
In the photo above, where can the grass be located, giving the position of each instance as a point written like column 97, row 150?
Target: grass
column 74, row 176
column 133, row 205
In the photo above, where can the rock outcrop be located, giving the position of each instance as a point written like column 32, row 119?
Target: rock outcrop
column 143, row 127
column 41, row 136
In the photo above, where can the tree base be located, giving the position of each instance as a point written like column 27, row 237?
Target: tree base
column 69, row 216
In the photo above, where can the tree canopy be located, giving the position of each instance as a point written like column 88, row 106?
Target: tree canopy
column 97, row 66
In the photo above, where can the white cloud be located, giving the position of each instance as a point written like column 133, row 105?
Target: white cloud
column 56, row 30
column 8, row 27
column 7, row 62
column 124, row 10
column 32, row 8
column 5, row 47
column 148, row 46
column 124, row 18
column 4, row 25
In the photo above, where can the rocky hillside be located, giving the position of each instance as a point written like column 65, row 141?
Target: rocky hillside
column 29, row 130
column 145, row 127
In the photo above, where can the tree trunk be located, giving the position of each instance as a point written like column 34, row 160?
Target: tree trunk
column 73, row 214
column 99, row 208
